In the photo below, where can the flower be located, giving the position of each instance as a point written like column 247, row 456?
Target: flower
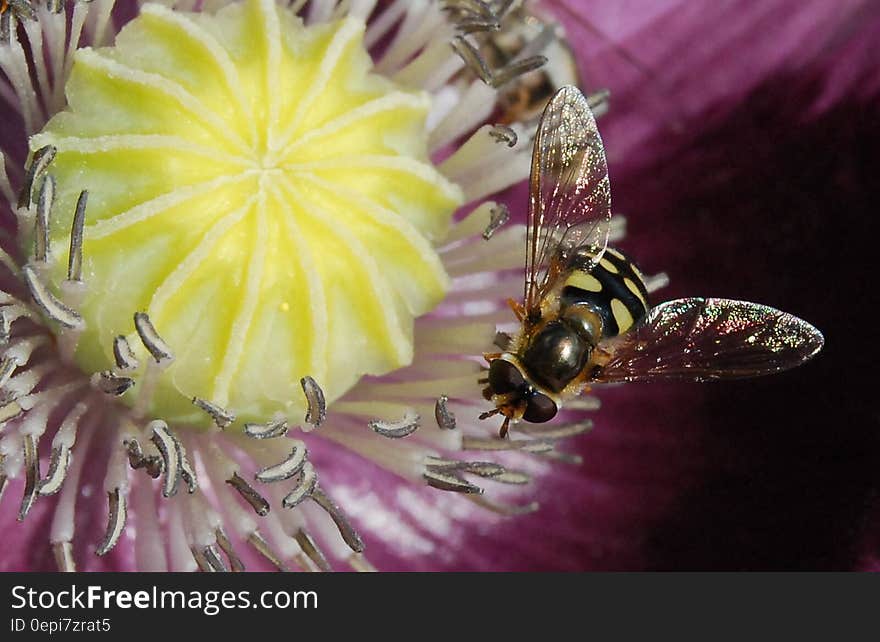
column 233, row 218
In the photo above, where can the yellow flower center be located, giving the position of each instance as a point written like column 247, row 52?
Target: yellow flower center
column 262, row 195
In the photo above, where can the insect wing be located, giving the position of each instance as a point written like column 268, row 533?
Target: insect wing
column 569, row 195
column 700, row 339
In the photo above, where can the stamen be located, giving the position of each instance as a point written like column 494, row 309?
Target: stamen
column 41, row 223
column 52, row 307
column 476, row 25
column 486, row 469
column 499, row 216
column 154, row 465
column 515, row 69
column 111, row 384
column 40, row 161
column 222, row 418
column 169, row 448
column 63, row 552
column 445, row 418
column 307, row 484
column 187, row 473
column 201, row 560
column 117, row 515
column 310, row 548
column 123, row 354
column 472, row 58
column 7, row 367
column 213, row 559
column 260, row 544
column 74, row 260
column 317, row 411
column 451, row 482
column 349, row 534
column 288, row 468
column 59, row 462
column 269, row 430
column 397, row 429
column 504, row 134
column 235, row 563
column 32, row 476
column 251, row 496
column 491, row 443
column 154, row 344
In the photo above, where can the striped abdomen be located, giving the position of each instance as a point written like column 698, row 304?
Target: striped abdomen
column 614, row 290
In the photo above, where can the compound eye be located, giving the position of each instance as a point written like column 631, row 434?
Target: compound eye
column 540, row 408
column 504, row 377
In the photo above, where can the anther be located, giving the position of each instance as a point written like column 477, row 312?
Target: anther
column 187, row 473
column 154, row 344
column 443, row 480
column 74, row 259
column 291, row 466
column 504, row 134
column 7, row 367
column 252, row 497
column 472, row 58
column 523, row 445
column 59, row 462
column 222, row 418
column 153, row 465
column 310, row 548
column 349, row 534
column 308, row 482
column 32, row 476
column 41, row 222
column 169, row 448
column 260, row 544
column 111, row 384
column 201, row 561
column 499, row 215
column 317, row 411
column 444, row 417
column 235, row 563
column 397, row 429
column 517, row 68
column 117, row 514
column 269, row 430
column 213, row 559
column 40, row 161
column 53, row 308
column 123, row 354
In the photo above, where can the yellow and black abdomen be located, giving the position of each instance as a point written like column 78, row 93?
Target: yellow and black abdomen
column 614, row 289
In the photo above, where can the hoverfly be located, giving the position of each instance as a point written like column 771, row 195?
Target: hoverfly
column 585, row 316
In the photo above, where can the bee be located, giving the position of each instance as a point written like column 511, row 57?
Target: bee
column 585, row 317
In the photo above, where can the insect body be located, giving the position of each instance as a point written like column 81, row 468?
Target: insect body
column 585, row 316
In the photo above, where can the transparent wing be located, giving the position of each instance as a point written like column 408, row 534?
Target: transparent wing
column 703, row 339
column 569, row 195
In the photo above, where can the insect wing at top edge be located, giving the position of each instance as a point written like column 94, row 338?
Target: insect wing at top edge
column 701, row 339
column 569, row 191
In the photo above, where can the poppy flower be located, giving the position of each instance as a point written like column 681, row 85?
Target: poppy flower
column 188, row 335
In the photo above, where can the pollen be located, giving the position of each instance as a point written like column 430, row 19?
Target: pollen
column 254, row 188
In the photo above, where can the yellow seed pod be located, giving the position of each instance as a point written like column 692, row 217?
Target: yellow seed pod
column 260, row 194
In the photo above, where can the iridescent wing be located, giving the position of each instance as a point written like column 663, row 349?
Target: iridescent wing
column 704, row 339
column 569, row 193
